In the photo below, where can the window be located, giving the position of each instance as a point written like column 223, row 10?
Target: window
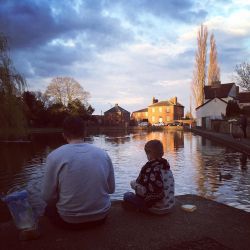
column 168, row 109
column 168, row 118
column 146, row 114
column 153, row 118
column 160, row 109
column 153, row 110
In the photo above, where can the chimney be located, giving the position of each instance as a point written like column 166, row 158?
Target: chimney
column 154, row 100
column 175, row 100
column 116, row 105
column 215, row 84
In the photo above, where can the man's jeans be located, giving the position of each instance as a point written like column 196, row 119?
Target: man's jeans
column 54, row 217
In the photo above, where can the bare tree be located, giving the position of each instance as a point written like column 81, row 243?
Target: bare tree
column 213, row 68
column 199, row 75
column 64, row 90
column 243, row 75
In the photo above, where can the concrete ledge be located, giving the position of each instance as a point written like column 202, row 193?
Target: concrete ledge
column 211, row 226
column 242, row 144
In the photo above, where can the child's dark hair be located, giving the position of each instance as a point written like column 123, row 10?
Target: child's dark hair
column 155, row 147
column 73, row 127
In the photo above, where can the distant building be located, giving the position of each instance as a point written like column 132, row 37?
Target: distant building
column 163, row 111
column 226, row 91
column 244, row 99
column 216, row 98
column 116, row 116
column 244, row 102
column 140, row 115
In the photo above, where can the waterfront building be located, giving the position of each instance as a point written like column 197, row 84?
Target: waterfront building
column 216, row 98
column 116, row 116
column 160, row 111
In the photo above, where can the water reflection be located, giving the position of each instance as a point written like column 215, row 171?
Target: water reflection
column 196, row 163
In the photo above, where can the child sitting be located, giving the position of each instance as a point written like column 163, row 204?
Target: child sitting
column 154, row 187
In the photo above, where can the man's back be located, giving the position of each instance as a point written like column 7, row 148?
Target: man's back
column 79, row 176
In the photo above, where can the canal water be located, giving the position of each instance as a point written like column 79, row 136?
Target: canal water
column 195, row 161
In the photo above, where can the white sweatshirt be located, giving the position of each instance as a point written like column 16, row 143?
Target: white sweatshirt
column 79, row 178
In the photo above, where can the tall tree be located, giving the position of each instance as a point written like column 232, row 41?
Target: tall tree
column 213, row 68
column 65, row 90
column 243, row 75
column 199, row 76
column 12, row 121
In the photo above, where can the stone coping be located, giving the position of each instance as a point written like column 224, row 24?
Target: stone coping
column 211, row 226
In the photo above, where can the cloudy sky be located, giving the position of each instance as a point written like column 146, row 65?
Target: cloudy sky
column 122, row 51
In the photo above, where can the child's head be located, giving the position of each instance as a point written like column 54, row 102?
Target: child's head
column 154, row 149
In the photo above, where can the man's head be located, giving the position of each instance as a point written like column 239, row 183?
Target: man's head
column 73, row 128
column 154, row 149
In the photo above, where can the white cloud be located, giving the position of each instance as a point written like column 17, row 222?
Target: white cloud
column 236, row 24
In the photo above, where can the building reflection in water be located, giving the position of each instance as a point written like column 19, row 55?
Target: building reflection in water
column 195, row 161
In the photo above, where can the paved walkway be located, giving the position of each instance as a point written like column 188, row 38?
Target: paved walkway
column 239, row 144
column 212, row 226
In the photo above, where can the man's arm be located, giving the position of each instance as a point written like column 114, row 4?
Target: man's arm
column 111, row 177
column 50, row 185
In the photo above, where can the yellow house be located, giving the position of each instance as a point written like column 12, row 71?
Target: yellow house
column 163, row 111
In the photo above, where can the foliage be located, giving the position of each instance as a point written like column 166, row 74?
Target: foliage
column 199, row 76
column 12, row 120
column 232, row 109
column 35, row 110
column 188, row 115
column 243, row 75
column 64, row 90
column 41, row 113
column 213, row 68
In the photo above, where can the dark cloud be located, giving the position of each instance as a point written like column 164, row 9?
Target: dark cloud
column 30, row 23
column 32, row 27
column 178, row 10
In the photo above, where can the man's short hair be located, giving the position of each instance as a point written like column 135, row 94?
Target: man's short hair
column 156, row 147
column 73, row 127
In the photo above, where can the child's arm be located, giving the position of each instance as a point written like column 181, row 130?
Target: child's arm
column 139, row 189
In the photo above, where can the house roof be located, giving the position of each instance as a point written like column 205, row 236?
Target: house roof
column 115, row 109
column 165, row 103
column 244, row 97
column 141, row 110
column 210, row 101
column 220, row 91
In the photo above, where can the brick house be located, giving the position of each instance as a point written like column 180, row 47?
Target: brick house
column 116, row 116
column 163, row 111
column 225, row 91
column 216, row 98
column 140, row 115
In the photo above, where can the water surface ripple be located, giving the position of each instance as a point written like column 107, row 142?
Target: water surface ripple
column 195, row 161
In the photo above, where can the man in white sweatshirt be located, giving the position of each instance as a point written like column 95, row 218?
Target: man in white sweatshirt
column 78, row 180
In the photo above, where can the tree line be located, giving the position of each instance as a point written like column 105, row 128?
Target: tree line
column 22, row 109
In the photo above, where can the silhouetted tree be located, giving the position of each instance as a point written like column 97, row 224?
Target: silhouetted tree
column 57, row 113
column 35, row 111
column 232, row 109
column 12, row 120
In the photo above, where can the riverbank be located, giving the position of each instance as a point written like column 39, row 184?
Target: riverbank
column 239, row 144
column 211, row 226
